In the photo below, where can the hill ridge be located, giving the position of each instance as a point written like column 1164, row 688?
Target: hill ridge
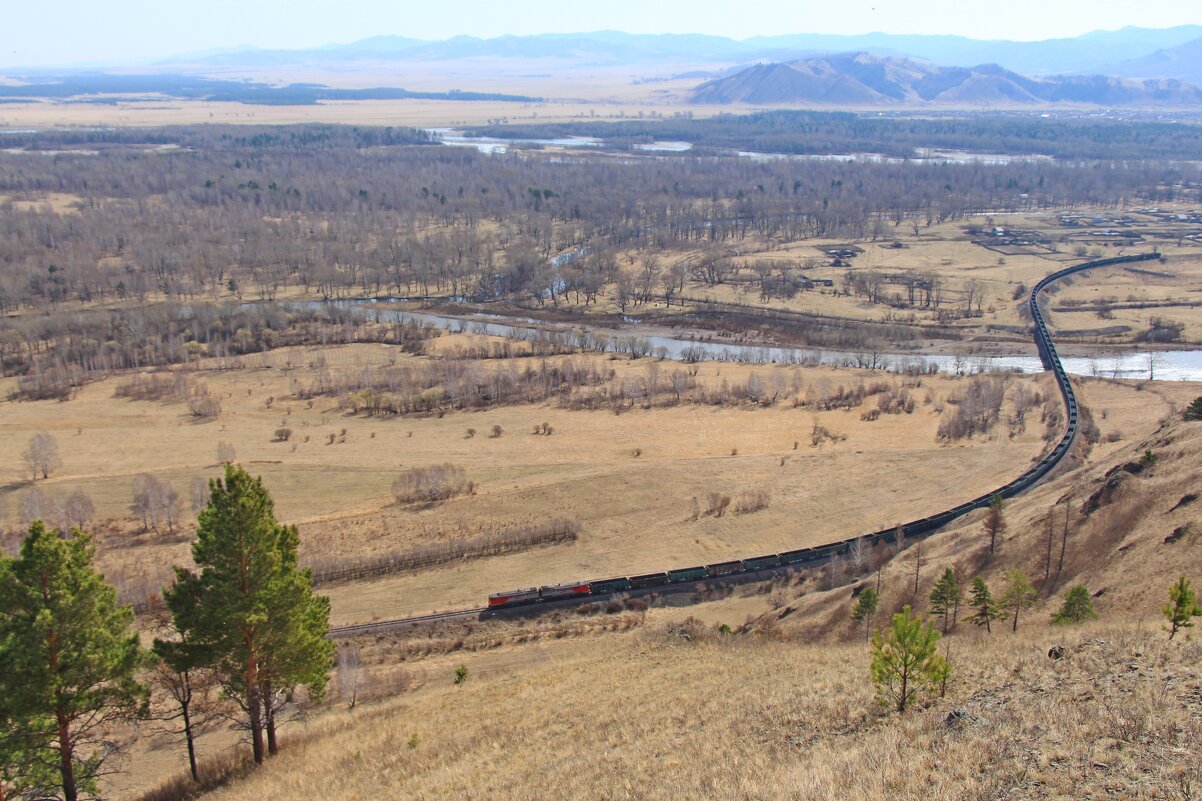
column 861, row 78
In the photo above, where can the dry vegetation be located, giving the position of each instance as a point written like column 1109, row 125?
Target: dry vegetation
column 783, row 444
column 427, row 471
column 739, row 717
column 762, row 691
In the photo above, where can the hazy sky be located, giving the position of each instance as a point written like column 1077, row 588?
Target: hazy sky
column 56, row 32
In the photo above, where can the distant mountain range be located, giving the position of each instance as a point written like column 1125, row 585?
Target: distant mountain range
column 1183, row 63
column 862, row 79
column 1130, row 52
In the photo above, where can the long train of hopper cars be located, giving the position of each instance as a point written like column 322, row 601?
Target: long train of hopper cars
column 812, row 556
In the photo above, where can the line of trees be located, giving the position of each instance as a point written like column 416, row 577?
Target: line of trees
column 332, row 220
column 905, row 661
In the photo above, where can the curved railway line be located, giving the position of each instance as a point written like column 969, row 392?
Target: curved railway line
column 557, row 595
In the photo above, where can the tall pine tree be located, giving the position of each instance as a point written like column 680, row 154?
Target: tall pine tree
column 250, row 613
column 865, row 609
column 982, row 601
column 68, row 658
column 1019, row 595
column 995, row 522
column 945, row 598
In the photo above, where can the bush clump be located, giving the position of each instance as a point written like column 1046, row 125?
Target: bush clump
column 431, row 484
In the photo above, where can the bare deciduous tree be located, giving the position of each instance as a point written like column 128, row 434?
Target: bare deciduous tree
column 225, row 452
column 199, row 490
column 350, row 674
column 41, row 455
column 155, row 502
column 34, row 505
column 78, row 508
column 431, row 484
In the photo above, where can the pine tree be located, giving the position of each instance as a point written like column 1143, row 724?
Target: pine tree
column 945, row 598
column 982, row 601
column 906, row 661
column 68, row 658
column 1194, row 410
column 1183, row 604
column 995, row 522
column 298, row 652
column 865, row 609
column 1076, row 608
column 1019, row 595
column 182, row 672
column 249, row 613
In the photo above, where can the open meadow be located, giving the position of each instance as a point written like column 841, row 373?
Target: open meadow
column 640, row 483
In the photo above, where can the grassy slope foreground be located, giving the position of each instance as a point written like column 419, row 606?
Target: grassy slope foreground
column 740, row 717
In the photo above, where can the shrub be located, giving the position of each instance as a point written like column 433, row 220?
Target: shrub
column 283, row 434
column 431, row 484
column 906, row 662
column 752, row 501
column 716, row 504
column 202, row 403
column 1076, row 608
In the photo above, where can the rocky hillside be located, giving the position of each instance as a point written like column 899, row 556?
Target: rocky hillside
column 1133, row 511
column 861, row 79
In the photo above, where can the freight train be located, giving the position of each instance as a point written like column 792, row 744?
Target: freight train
column 812, row 557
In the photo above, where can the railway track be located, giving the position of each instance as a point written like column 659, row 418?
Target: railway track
column 531, row 601
column 417, row 620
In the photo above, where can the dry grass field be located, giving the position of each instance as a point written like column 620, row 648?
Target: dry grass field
column 629, row 479
column 782, row 707
column 948, row 252
column 418, row 113
column 745, row 717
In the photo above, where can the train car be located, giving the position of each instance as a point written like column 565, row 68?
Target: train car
column 648, row 580
column 725, row 568
column 514, row 597
column 683, row 574
column 554, row 592
column 761, row 562
column 606, row 586
column 798, row 556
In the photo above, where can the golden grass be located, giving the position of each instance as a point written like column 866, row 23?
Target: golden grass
column 785, row 709
column 635, row 509
column 650, row 716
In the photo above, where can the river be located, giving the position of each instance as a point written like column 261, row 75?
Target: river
column 1172, row 365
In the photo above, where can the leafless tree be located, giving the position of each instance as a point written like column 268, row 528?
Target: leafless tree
column 41, row 455
column 225, row 452
column 78, row 508
column 350, row 673
column 155, row 502
column 199, row 490
column 35, row 505
column 858, row 555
